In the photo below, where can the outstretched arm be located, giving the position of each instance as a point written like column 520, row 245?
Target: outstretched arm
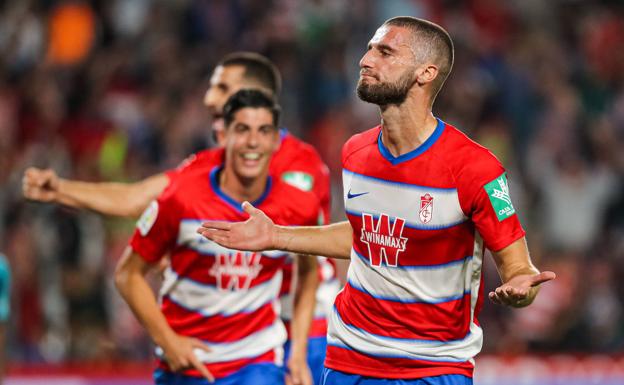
column 260, row 233
column 520, row 277
column 115, row 199
column 131, row 284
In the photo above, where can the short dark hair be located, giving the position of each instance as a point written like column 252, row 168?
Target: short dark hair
column 250, row 98
column 257, row 68
column 438, row 42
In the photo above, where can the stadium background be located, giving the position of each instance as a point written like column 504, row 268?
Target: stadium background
column 112, row 90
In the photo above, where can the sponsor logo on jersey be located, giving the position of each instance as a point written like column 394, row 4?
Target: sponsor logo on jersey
column 383, row 238
column 148, row 218
column 498, row 192
column 235, row 270
column 355, row 195
column 301, row 180
column 426, row 208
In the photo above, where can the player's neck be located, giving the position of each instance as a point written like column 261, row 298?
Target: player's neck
column 406, row 126
column 242, row 189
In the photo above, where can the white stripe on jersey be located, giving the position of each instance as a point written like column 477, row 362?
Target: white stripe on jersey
column 325, row 296
column 269, row 338
column 477, row 266
column 431, row 284
column 209, row 300
column 187, row 236
column 400, row 200
column 356, row 339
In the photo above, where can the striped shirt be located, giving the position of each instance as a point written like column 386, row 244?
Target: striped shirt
column 226, row 298
column 420, row 224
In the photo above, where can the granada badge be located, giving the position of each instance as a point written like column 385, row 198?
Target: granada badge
column 426, row 208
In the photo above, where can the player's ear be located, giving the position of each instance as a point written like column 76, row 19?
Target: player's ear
column 426, row 74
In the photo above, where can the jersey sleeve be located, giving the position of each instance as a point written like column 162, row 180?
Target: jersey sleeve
column 484, row 197
column 322, row 189
column 307, row 171
column 157, row 229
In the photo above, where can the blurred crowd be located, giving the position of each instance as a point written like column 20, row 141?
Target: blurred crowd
column 112, row 90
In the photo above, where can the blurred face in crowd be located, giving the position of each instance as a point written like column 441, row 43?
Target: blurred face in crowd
column 224, row 82
column 388, row 69
column 249, row 141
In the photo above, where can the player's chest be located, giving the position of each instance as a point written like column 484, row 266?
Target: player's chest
column 205, row 261
column 410, row 196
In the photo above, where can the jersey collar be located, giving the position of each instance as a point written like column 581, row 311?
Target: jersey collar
column 214, row 183
column 415, row 152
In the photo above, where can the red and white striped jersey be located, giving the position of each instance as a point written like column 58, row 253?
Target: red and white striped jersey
column 420, row 224
column 298, row 164
column 227, row 298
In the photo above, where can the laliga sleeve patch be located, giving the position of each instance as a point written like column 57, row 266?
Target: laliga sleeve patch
column 301, row 180
column 498, row 192
column 148, row 218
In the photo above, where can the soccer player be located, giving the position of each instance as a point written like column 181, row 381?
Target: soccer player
column 219, row 307
column 295, row 162
column 423, row 202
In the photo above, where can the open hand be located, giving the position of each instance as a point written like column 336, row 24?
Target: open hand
column 255, row 234
column 179, row 354
column 40, row 185
column 517, row 291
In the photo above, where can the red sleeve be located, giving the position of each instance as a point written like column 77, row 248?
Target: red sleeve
column 157, row 229
column 314, row 217
column 308, row 164
column 322, row 191
column 484, row 197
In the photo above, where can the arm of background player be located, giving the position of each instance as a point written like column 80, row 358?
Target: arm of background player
column 116, row 199
column 520, row 277
column 131, row 284
column 260, row 233
column 304, row 304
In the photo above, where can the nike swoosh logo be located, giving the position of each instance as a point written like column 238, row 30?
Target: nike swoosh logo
column 351, row 196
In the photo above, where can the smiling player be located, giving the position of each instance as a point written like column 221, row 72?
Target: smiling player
column 219, row 314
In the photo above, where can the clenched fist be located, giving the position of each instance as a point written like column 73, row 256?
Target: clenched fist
column 40, row 185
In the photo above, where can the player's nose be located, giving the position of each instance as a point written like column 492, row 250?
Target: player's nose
column 366, row 60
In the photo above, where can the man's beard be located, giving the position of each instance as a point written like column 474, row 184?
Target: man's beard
column 386, row 93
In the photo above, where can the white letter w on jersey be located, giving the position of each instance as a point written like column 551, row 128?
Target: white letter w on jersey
column 236, row 270
column 383, row 241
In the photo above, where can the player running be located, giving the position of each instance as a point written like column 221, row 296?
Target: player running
column 423, row 202
column 218, row 317
column 295, row 162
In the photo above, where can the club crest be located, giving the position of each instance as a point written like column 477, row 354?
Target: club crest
column 426, row 208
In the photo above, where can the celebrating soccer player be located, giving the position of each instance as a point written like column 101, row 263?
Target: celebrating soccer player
column 422, row 202
column 295, row 162
column 218, row 315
